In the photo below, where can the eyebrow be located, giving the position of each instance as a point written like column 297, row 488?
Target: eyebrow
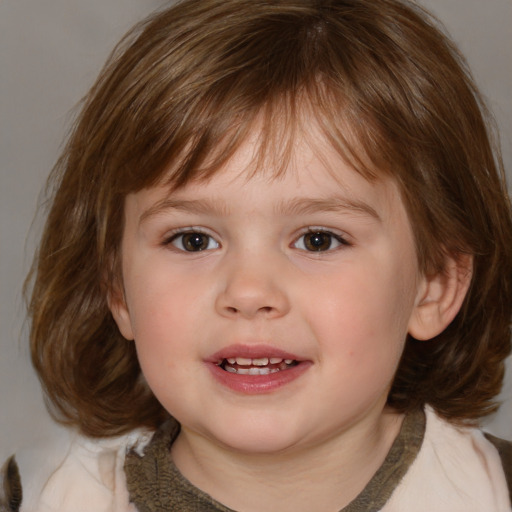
column 204, row 206
column 328, row 204
column 296, row 206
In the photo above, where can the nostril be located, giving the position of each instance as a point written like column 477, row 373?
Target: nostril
column 263, row 309
column 250, row 301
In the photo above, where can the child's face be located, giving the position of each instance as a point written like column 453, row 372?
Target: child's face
column 305, row 267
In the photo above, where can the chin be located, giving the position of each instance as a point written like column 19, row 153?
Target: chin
column 263, row 438
column 259, row 446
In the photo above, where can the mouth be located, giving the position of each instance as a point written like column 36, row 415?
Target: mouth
column 256, row 366
column 256, row 369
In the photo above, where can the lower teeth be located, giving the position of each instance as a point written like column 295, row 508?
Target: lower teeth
column 257, row 370
column 252, row 370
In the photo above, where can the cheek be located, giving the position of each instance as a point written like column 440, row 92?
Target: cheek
column 363, row 311
column 160, row 298
column 163, row 327
column 163, row 310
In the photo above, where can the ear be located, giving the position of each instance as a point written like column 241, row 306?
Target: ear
column 440, row 297
column 117, row 305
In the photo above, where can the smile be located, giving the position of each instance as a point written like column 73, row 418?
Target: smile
column 256, row 366
column 256, row 369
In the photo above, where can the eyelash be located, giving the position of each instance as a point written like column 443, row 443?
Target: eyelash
column 174, row 237
column 324, row 241
column 319, row 232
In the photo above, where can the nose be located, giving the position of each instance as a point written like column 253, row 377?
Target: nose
column 252, row 289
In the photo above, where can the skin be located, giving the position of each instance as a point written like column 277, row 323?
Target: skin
column 314, row 442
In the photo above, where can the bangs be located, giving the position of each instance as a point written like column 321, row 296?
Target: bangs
column 185, row 103
column 275, row 128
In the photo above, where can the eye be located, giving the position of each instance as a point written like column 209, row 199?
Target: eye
column 319, row 241
column 193, row 241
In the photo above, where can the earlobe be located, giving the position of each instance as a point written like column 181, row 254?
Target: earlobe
column 440, row 298
column 119, row 310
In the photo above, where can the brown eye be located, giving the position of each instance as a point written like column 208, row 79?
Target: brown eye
column 193, row 242
column 319, row 241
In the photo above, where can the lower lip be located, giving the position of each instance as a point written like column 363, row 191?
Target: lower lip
column 257, row 384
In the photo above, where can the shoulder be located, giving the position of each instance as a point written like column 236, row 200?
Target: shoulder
column 10, row 488
column 73, row 473
column 504, row 449
column 461, row 464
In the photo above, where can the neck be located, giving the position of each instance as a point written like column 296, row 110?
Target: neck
column 324, row 477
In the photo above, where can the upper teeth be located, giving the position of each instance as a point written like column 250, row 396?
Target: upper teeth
column 259, row 361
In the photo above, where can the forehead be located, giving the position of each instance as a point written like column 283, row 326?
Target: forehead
column 274, row 143
column 312, row 177
column 271, row 139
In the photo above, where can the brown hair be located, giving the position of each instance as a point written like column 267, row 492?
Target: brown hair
column 175, row 100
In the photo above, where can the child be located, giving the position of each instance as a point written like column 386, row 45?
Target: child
column 276, row 272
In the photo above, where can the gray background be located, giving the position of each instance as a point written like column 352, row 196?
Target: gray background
column 50, row 54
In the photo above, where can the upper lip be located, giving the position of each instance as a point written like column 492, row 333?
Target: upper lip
column 251, row 352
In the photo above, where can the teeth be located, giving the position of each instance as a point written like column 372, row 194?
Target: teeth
column 257, row 366
column 254, row 370
column 262, row 361
column 259, row 371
